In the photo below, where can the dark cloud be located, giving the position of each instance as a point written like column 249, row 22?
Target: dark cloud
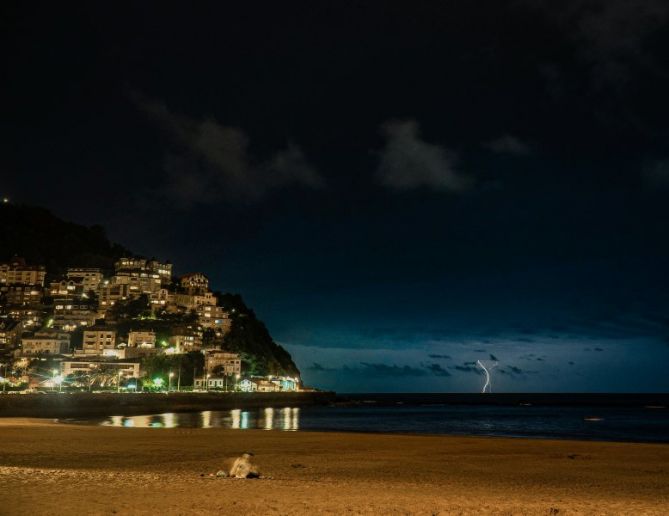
column 214, row 163
column 437, row 370
column 657, row 174
column 377, row 369
column 508, row 144
column 407, row 162
column 316, row 367
column 532, row 357
column 618, row 324
column 514, row 371
column 467, row 367
column 436, row 357
column 610, row 36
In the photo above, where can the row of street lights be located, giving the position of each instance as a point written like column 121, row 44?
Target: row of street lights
column 56, row 378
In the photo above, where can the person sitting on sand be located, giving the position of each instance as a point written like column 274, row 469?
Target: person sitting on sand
column 242, row 467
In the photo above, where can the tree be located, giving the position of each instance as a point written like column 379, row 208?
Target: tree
column 132, row 308
column 188, row 363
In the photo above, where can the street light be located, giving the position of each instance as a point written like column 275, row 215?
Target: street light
column 169, row 384
column 237, row 376
column 54, row 372
column 4, row 379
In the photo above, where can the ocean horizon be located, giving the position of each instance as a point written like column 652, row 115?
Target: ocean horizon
column 434, row 414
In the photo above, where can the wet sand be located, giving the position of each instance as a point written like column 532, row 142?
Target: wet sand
column 49, row 468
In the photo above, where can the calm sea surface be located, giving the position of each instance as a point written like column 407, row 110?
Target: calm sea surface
column 648, row 424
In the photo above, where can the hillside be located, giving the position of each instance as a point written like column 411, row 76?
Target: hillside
column 42, row 238
column 249, row 337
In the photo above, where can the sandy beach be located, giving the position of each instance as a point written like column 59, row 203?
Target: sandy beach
column 52, row 468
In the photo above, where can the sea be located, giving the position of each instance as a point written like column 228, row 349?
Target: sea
column 415, row 414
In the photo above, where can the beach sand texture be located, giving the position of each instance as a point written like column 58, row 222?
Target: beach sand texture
column 48, row 468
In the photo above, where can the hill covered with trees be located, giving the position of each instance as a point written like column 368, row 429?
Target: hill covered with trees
column 43, row 239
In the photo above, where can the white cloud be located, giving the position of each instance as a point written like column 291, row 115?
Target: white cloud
column 408, row 162
column 216, row 165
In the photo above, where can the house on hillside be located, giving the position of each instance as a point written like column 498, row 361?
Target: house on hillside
column 247, row 385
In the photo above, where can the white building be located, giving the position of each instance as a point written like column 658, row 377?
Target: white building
column 109, row 294
column 24, row 295
column 69, row 314
column 222, row 363
column 97, row 340
column 258, row 385
column 216, row 318
column 191, row 301
column 247, row 385
column 10, row 333
column 141, row 338
column 90, row 277
column 183, row 342
column 67, row 287
column 194, row 281
column 127, row 369
column 152, row 268
column 17, row 272
column 138, row 282
column 217, row 383
column 46, row 342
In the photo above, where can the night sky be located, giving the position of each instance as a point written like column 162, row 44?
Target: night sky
column 398, row 189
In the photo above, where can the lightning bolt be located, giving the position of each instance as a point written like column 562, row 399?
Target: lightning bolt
column 487, row 385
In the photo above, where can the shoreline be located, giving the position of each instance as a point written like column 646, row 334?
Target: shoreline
column 84, row 405
column 89, row 422
column 58, row 468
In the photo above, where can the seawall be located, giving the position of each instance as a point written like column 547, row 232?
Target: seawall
column 107, row 404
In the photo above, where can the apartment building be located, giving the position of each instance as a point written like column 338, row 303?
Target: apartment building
column 98, row 339
column 222, row 363
column 17, row 272
column 90, row 277
column 141, row 339
column 45, row 342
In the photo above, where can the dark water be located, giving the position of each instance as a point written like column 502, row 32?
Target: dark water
column 595, row 423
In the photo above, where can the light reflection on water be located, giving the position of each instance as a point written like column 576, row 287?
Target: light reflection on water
column 286, row 419
column 579, row 422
